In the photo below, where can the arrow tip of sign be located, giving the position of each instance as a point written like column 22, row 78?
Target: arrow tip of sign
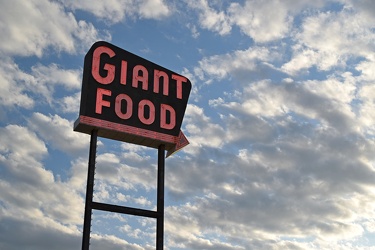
column 181, row 142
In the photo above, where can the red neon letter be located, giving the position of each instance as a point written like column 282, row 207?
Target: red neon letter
column 179, row 80
column 141, row 112
column 143, row 78
column 99, row 99
column 124, row 68
column 163, row 117
column 129, row 106
column 96, row 64
column 157, row 75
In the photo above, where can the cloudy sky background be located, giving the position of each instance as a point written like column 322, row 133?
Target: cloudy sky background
column 280, row 122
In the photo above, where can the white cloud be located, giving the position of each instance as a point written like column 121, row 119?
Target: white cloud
column 211, row 19
column 325, row 102
column 263, row 21
column 193, row 30
column 14, row 85
column 20, row 88
column 366, row 68
column 366, row 7
column 47, row 78
column 32, row 232
column 301, row 142
column 117, row 10
column 111, row 242
column 59, row 134
column 153, row 9
column 70, row 104
column 259, row 99
column 367, row 108
column 18, row 141
column 52, row 74
column 39, row 205
column 122, row 179
column 113, row 10
column 269, row 187
column 328, row 40
column 36, row 196
column 78, row 175
column 231, row 64
column 60, row 32
column 201, row 130
column 303, row 59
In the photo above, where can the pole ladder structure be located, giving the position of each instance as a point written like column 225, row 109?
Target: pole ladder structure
column 90, row 204
column 89, row 190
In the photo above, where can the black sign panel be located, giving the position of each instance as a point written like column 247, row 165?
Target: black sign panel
column 122, row 88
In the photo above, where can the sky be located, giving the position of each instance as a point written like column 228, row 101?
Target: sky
column 280, row 121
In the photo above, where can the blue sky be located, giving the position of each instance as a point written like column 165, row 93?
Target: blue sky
column 280, row 122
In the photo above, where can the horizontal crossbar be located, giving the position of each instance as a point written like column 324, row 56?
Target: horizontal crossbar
column 124, row 210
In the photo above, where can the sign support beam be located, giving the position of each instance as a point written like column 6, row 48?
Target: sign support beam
column 160, row 198
column 89, row 191
column 90, row 204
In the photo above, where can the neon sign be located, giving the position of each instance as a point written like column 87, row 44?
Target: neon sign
column 131, row 99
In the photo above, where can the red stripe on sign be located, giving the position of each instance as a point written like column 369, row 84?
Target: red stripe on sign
column 129, row 129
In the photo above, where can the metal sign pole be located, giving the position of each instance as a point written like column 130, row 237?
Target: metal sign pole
column 160, row 198
column 90, row 204
column 89, row 191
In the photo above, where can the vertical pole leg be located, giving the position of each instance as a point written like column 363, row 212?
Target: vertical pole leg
column 89, row 191
column 160, row 199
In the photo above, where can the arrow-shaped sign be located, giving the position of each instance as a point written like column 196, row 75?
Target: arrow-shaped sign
column 131, row 134
column 181, row 142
